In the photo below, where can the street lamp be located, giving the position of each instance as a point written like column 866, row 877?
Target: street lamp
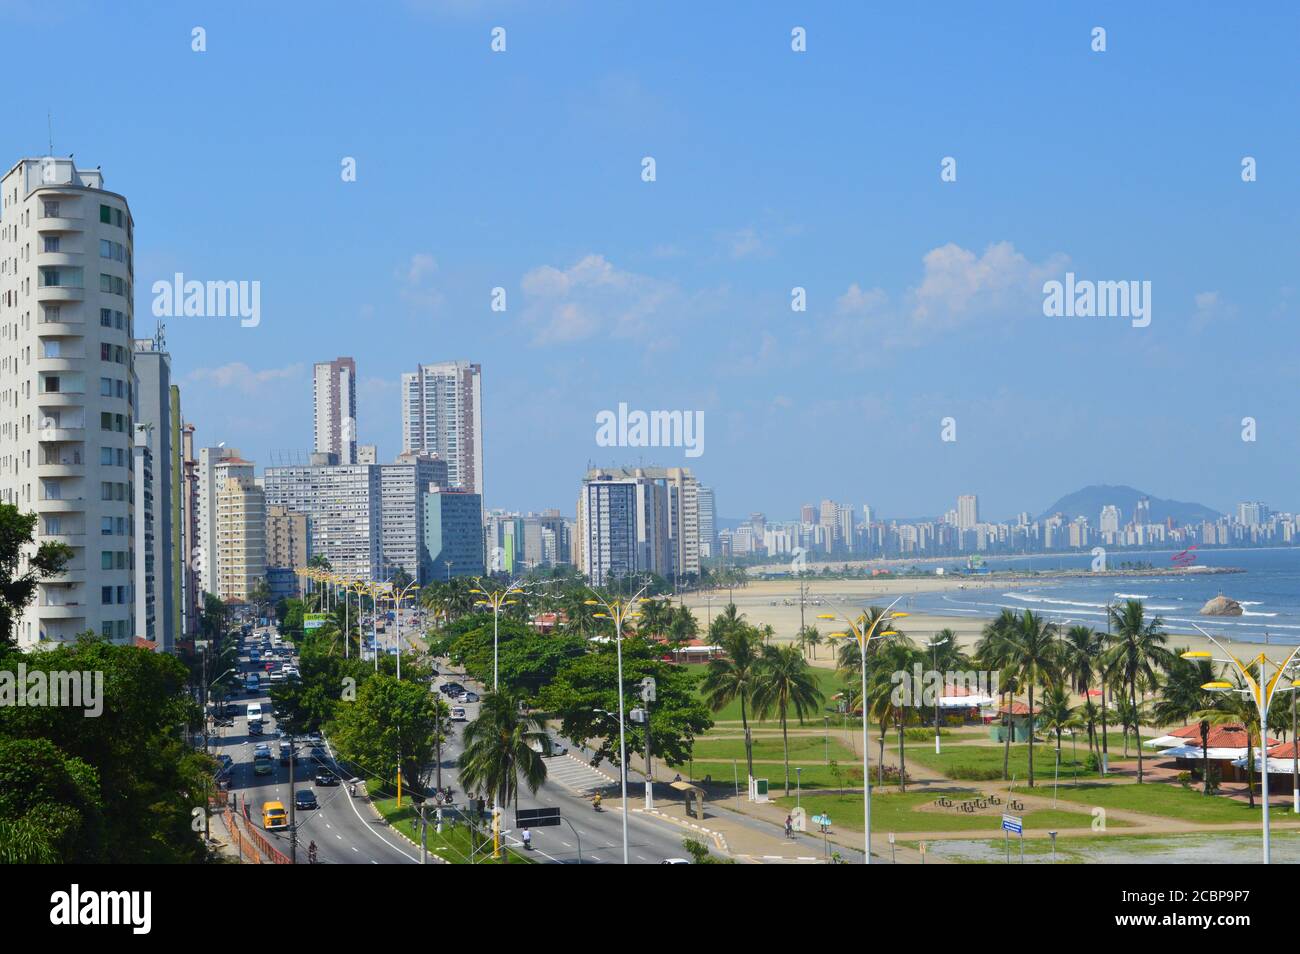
column 496, row 599
column 1261, row 695
column 863, row 640
column 934, row 666
column 620, row 610
column 399, row 596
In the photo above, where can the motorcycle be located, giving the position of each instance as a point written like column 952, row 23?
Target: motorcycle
column 311, row 854
column 595, row 803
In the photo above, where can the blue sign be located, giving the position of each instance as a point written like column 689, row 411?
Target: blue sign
column 1012, row 823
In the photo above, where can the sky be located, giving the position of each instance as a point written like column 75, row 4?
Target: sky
column 774, row 169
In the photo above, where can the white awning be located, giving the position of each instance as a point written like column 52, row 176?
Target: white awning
column 1195, row 752
column 965, row 702
column 1165, row 742
column 1275, row 766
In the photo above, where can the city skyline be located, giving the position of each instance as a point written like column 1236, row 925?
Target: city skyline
column 924, row 298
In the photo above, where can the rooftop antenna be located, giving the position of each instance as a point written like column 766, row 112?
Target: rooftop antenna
column 49, row 122
column 160, row 337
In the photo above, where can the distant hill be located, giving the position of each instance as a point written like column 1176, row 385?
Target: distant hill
column 1089, row 501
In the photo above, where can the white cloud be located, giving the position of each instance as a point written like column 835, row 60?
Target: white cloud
column 957, row 287
column 239, row 375
column 589, row 298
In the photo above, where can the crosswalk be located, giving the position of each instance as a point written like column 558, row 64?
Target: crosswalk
column 575, row 774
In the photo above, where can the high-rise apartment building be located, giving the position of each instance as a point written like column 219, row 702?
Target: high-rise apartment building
column 158, row 410
column 627, row 518
column 240, row 536
column 706, row 504
column 342, row 503
column 146, row 539
column 190, row 551
column 67, row 391
column 452, row 534
column 288, row 546
column 442, row 414
column 334, row 398
column 1110, row 519
column 215, row 466
column 402, row 484
column 968, row 511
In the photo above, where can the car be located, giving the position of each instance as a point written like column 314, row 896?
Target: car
column 324, row 776
column 278, row 677
column 224, row 762
column 254, row 728
column 274, row 816
column 674, row 861
column 262, row 747
column 285, row 751
column 452, row 689
column 467, row 696
column 315, row 738
column 458, row 714
column 305, row 798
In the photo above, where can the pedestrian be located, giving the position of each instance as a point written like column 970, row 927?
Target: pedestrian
column 789, row 826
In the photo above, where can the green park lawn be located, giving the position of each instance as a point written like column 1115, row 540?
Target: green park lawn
column 453, row 845
column 1163, row 799
column 814, row 775
column 803, row 748
column 899, row 812
column 984, row 762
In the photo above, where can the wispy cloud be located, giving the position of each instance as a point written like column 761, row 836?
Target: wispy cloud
column 239, row 375
column 592, row 298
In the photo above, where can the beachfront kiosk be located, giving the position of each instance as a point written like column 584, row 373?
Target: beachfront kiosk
column 1020, row 723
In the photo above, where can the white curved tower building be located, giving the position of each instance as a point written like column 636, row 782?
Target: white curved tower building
column 67, row 390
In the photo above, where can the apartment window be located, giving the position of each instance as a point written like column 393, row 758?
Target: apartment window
column 106, row 317
column 121, row 390
column 121, row 594
column 106, row 215
column 51, row 210
column 105, row 421
column 106, row 595
column 121, row 559
column 105, row 248
column 105, row 526
column 51, row 243
column 120, row 523
column 106, row 387
column 105, row 282
column 52, row 385
column 106, row 456
column 106, row 559
column 105, row 491
column 105, row 352
column 107, row 629
column 51, row 312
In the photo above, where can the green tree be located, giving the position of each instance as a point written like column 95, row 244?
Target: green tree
column 734, row 676
column 499, row 751
column 1032, row 656
column 19, row 573
column 785, row 684
column 392, row 723
column 1137, row 648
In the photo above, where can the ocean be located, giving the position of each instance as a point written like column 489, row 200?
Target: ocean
column 1268, row 590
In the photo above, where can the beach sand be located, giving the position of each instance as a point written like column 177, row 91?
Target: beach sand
column 850, row 597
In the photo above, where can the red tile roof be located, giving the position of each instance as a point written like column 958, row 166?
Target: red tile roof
column 1017, row 708
column 1230, row 735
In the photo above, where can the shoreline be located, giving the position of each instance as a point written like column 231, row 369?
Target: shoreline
column 776, row 603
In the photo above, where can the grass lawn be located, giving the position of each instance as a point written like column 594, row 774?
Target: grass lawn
column 985, row 762
column 815, row 775
column 1161, row 798
column 453, row 845
column 803, row 748
column 898, row 811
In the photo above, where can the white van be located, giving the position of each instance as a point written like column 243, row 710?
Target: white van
column 254, row 712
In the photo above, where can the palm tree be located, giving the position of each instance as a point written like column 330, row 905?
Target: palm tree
column 1138, row 646
column 991, row 653
column 887, row 703
column 684, row 627
column 1181, row 695
column 498, row 752
column 784, row 683
column 1032, row 656
column 734, row 676
column 1055, row 713
column 656, row 616
column 810, row 638
column 1080, row 655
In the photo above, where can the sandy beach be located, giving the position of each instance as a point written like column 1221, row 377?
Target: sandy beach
column 776, row 603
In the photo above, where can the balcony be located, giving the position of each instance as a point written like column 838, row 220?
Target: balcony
column 54, row 294
column 66, row 611
column 67, row 539
column 63, row 257
column 69, row 362
column 58, row 434
column 60, row 223
column 63, row 468
column 62, row 398
column 60, row 505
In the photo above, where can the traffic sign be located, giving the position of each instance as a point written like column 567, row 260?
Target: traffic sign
column 1012, row 823
column 537, row 817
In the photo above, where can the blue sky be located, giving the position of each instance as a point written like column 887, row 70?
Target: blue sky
column 775, row 169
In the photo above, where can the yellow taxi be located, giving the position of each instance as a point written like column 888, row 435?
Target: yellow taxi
column 274, row 816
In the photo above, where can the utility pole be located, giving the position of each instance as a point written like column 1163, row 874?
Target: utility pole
column 293, row 816
column 424, row 838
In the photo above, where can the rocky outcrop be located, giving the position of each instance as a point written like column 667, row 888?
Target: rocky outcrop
column 1221, row 606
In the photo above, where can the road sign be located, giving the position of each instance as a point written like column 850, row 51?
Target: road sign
column 648, row 689
column 1012, row 823
column 537, row 817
